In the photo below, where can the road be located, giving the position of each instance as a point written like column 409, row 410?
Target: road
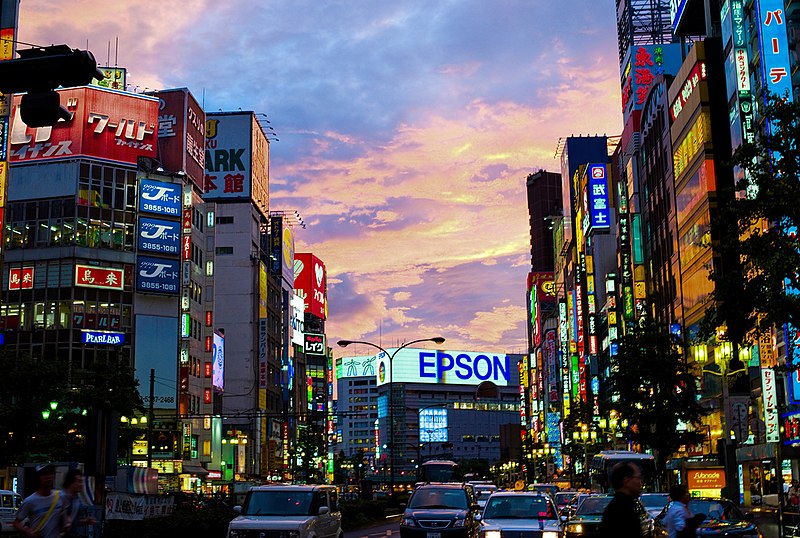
column 383, row 530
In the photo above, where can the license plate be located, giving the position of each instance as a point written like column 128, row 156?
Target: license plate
column 434, row 535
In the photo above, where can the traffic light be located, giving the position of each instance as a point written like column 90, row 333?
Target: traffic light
column 41, row 70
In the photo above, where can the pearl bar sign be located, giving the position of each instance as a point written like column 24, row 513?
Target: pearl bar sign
column 102, row 338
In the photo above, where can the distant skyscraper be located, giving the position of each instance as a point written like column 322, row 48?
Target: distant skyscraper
column 544, row 201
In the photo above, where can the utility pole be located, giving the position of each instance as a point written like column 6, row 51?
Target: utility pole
column 150, row 419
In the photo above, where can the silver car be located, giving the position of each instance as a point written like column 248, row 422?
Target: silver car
column 291, row 511
column 510, row 514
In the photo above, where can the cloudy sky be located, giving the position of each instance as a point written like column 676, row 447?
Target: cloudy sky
column 407, row 129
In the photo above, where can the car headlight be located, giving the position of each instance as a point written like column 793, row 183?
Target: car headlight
column 408, row 522
column 577, row 528
column 492, row 534
column 550, row 534
column 460, row 523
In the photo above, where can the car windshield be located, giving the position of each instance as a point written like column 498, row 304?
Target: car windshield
column 655, row 501
column 519, row 507
column 593, row 506
column 439, row 498
column 716, row 510
column 278, row 503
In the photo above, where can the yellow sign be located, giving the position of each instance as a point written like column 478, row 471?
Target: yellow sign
column 639, row 290
column 612, row 317
column 7, row 44
column 3, row 181
column 519, row 485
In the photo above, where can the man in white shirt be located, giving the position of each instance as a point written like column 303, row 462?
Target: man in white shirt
column 679, row 517
column 43, row 509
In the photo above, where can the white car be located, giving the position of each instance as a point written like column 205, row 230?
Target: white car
column 482, row 493
column 288, row 511
column 517, row 513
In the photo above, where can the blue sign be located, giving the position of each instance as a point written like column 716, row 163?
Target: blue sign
column 676, row 9
column 162, row 236
column 599, row 207
column 433, row 425
column 158, row 275
column 774, row 47
column 160, row 198
column 103, row 338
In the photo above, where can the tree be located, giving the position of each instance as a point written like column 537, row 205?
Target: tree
column 44, row 416
column 653, row 388
column 762, row 289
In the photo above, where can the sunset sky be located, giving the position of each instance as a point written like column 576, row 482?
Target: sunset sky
column 407, row 129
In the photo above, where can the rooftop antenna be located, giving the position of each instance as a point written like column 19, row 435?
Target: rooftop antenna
column 108, row 55
column 116, row 51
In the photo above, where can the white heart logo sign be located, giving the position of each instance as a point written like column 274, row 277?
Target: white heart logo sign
column 298, row 268
column 319, row 273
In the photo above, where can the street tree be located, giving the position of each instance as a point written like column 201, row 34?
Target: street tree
column 761, row 289
column 653, row 388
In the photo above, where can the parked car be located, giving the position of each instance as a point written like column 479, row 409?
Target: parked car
column 723, row 518
column 586, row 521
column 574, row 503
column 291, row 510
column 9, row 505
column 440, row 511
column 517, row 513
column 654, row 503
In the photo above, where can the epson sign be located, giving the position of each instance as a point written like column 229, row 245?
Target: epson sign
column 449, row 367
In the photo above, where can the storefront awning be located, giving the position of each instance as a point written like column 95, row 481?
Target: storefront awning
column 194, row 469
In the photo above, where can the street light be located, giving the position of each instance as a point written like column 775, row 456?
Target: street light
column 438, row 340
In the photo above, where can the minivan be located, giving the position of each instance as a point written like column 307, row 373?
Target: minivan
column 9, row 504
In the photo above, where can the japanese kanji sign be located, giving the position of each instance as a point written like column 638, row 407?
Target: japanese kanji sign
column 20, row 279
column 89, row 276
column 770, row 395
column 228, row 156
column 599, row 206
column 774, row 47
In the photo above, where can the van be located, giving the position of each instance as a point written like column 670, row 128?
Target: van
column 9, row 505
column 301, row 511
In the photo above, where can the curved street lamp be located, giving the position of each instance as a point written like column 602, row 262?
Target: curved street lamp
column 438, row 340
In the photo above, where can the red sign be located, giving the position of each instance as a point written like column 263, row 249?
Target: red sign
column 187, row 247
column 182, row 134
column 20, row 279
column 310, row 283
column 207, row 396
column 105, row 124
column 89, row 276
column 187, row 220
column 694, row 78
column 705, row 478
column 184, row 379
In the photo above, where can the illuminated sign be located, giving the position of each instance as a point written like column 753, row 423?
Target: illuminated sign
column 433, row 425
column 776, row 68
column 20, row 279
column 297, row 321
column 676, row 8
column 186, row 325
column 791, row 428
column 599, row 206
column 310, row 283
column 697, row 74
column 314, row 344
column 228, row 153
column 218, row 375
column 770, row 394
column 160, row 197
column 161, row 236
column 89, row 276
column 157, row 275
column 105, row 124
column 113, row 78
column 102, row 337
column 449, row 367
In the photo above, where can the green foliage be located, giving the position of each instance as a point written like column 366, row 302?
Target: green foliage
column 655, row 391
column 758, row 239
column 28, row 387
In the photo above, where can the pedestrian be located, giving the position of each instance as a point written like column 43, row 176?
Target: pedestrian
column 793, row 498
column 75, row 517
column 621, row 516
column 41, row 513
column 679, row 520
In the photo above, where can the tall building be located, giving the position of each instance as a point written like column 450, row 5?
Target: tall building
column 544, row 203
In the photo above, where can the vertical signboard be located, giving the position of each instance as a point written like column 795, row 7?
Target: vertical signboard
column 9, row 17
column 310, row 282
column 228, row 156
column 770, row 394
column 275, row 251
column 776, row 68
column 599, row 206
column 262, row 325
column 218, row 374
column 181, row 134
